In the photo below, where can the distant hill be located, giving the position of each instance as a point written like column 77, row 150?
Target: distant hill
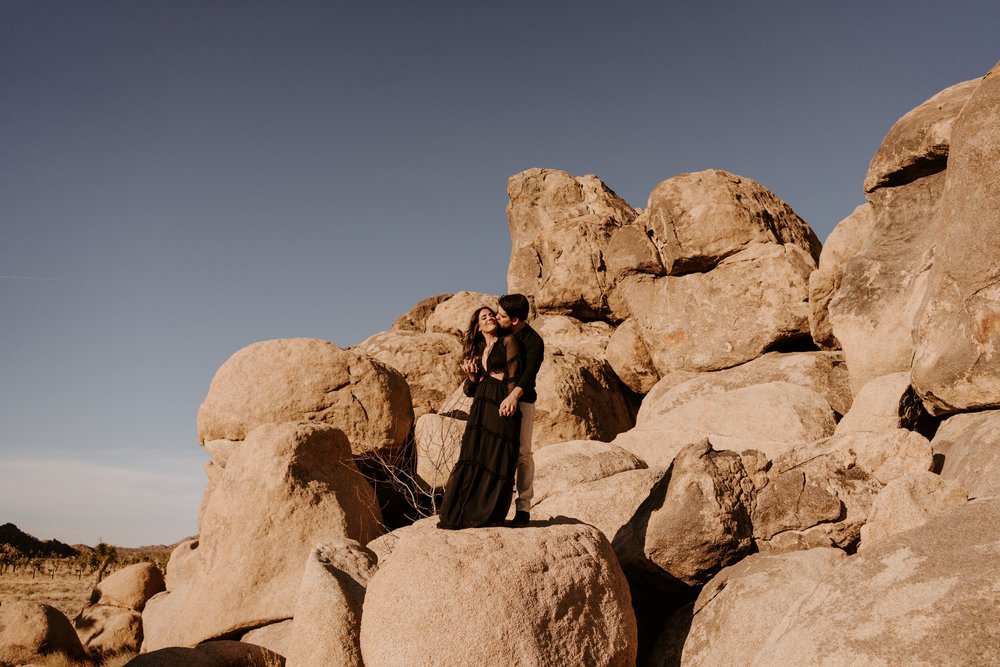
column 31, row 546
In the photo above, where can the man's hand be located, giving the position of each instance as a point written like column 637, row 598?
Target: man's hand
column 509, row 405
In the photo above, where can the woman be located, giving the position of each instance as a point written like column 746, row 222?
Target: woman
column 481, row 484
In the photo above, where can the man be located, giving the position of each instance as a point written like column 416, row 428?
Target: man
column 512, row 315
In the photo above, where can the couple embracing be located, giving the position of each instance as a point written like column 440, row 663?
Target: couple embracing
column 501, row 361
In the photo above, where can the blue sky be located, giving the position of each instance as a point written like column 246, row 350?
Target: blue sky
column 181, row 179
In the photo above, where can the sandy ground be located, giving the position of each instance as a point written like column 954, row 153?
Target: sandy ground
column 65, row 591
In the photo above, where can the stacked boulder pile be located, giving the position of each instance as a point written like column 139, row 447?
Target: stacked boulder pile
column 750, row 449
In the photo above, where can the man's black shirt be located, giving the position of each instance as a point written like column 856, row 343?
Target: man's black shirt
column 532, row 352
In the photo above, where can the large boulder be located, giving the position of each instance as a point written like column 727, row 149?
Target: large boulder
column 886, row 403
column 750, row 302
column 845, row 241
column 106, row 629
column 564, row 465
column 698, row 219
column 918, row 143
column 918, row 596
column 430, row 362
column 130, row 587
column 695, row 522
column 273, row 637
column 823, row 372
column 955, row 364
column 875, row 308
column 967, row 452
column 415, row 319
column 629, row 357
column 453, row 315
column 286, row 488
column 437, row 443
column 328, row 612
column 772, row 417
column 908, row 502
column 740, row 607
column 543, row 595
column 559, row 230
column 304, row 379
column 571, row 335
column 820, row 494
column 35, row 632
column 222, row 653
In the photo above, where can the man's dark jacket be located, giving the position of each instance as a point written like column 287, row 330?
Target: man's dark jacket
column 532, row 352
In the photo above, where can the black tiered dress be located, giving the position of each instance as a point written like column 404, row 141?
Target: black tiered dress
column 481, row 485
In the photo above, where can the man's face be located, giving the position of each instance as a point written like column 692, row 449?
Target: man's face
column 503, row 319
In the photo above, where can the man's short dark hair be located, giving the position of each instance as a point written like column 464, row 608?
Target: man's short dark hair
column 515, row 305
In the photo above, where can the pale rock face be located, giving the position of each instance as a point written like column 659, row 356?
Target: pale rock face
column 430, row 363
column 106, row 629
column 273, row 637
column 820, row 494
column 823, row 372
column 957, row 336
column 327, row 625
column 631, row 251
column 35, row 632
column 707, row 321
column 967, row 443
column 579, row 398
column 908, row 502
column 287, row 488
column 845, row 241
column 739, row 608
column 415, row 319
column 887, row 403
column 696, row 220
column 918, row 143
column 571, row 335
column 454, row 315
column 874, row 310
column 304, row 379
column 560, row 227
column 438, row 442
column 488, row 596
column 607, row 503
column 772, row 417
column 629, row 357
column 564, row 465
column 130, row 587
column 182, row 564
column 695, row 522
column 916, row 594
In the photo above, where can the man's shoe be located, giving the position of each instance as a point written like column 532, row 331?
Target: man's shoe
column 521, row 519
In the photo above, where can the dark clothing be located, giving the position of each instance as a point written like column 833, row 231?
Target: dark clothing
column 481, row 485
column 532, row 353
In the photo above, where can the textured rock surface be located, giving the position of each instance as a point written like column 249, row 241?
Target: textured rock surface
column 629, row 357
column 845, row 241
column 273, row 637
column 328, row 612
column 918, row 143
column 956, row 365
column 886, row 403
column 727, row 316
column 820, row 494
column 823, row 372
column 105, row 629
column 875, row 308
column 772, row 417
column 415, row 319
column 453, row 315
column 696, row 220
column 739, row 608
column 966, row 445
column 130, row 586
column 304, row 379
column 571, row 335
column 543, row 595
column 430, row 363
column 908, row 502
column 438, row 442
column 564, row 465
column 607, row 503
column 916, row 595
column 224, row 653
column 559, row 229
column 287, row 488
column 34, row 632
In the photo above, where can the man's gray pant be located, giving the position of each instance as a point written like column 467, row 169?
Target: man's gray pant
column 525, row 460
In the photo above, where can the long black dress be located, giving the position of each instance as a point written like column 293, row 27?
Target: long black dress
column 481, row 485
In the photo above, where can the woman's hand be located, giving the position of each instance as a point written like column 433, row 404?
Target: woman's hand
column 469, row 368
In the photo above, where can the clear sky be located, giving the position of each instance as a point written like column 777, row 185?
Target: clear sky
column 181, row 179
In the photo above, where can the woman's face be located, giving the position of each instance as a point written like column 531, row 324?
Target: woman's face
column 487, row 321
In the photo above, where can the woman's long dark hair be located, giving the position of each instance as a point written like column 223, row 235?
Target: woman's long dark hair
column 474, row 343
